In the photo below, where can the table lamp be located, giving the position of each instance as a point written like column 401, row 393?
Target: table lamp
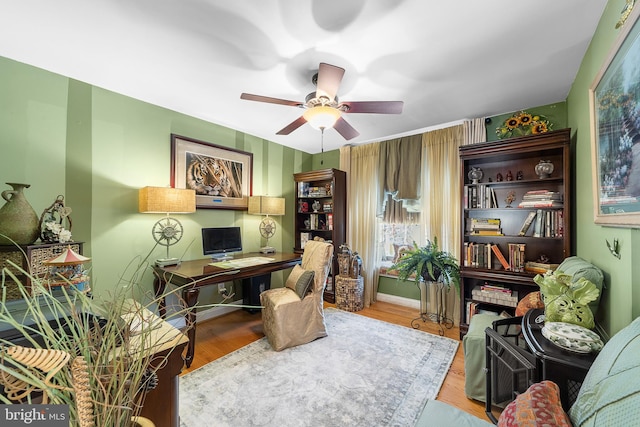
column 167, row 231
column 265, row 205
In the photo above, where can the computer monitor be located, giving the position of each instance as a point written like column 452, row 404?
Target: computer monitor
column 221, row 242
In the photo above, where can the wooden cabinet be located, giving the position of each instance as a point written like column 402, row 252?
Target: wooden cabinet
column 496, row 210
column 321, row 211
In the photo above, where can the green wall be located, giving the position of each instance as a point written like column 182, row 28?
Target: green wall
column 97, row 148
column 621, row 299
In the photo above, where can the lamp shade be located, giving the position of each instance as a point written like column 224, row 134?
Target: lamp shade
column 166, row 200
column 321, row 117
column 265, row 205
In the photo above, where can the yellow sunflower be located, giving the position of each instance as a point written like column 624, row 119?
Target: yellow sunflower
column 539, row 127
column 525, row 118
column 513, row 122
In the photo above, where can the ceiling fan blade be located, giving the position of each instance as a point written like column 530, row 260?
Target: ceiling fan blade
column 345, row 129
column 259, row 98
column 329, row 79
column 292, row 126
column 375, row 107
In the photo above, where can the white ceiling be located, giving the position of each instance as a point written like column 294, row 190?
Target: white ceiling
column 447, row 60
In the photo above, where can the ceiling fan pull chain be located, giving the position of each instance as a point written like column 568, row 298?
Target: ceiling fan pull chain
column 322, row 146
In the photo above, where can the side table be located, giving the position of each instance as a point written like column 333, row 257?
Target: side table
column 349, row 293
column 565, row 368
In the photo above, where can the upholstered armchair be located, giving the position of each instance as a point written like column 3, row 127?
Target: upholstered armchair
column 294, row 315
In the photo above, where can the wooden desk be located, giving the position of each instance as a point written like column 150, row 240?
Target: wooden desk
column 193, row 275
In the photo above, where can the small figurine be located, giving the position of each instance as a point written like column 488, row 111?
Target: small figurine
column 509, row 176
column 519, row 176
column 510, row 198
column 499, row 177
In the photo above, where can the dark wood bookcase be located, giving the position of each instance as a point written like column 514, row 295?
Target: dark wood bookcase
column 514, row 160
column 321, row 211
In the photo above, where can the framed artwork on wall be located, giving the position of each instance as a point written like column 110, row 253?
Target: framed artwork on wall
column 220, row 176
column 614, row 99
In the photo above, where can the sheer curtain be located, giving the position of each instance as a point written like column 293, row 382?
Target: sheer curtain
column 441, row 203
column 361, row 165
column 474, row 131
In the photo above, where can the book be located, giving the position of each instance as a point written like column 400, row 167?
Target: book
column 516, row 256
column 304, row 238
column 541, row 204
column 538, row 227
column 527, row 223
column 500, row 256
column 539, row 267
column 497, row 232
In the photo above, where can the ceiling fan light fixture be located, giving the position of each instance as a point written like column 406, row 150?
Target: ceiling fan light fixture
column 321, row 116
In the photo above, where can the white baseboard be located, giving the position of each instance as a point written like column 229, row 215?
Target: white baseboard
column 207, row 314
column 394, row 299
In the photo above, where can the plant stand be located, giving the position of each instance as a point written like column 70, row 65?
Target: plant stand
column 438, row 316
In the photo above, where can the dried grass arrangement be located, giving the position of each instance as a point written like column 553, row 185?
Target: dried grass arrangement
column 93, row 354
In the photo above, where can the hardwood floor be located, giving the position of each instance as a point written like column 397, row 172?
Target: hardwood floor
column 224, row 334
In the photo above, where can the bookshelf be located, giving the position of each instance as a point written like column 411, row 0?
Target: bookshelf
column 515, row 220
column 321, row 211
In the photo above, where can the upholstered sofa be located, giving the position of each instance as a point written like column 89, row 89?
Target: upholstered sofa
column 609, row 395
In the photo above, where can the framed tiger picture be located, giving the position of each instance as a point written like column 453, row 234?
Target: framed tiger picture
column 220, row 176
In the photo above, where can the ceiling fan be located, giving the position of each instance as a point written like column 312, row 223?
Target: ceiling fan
column 322, row 107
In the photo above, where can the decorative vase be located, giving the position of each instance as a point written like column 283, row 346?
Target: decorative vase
column 544, row 169
column 19, row 223
column 475, row 175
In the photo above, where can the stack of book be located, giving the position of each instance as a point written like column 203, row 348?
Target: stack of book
column 484, row 255
column 541, row 199
column 495, row 294
column 485, row 227
column 539, row 267
column 549, row 223
column 479, row 196
column 516, row 257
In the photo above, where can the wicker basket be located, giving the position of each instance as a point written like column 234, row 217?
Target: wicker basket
column 349, row 293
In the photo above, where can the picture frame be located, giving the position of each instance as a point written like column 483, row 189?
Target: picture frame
column 614, row 101
column 221, row 176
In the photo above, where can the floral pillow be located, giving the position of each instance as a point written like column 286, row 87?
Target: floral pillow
column 538, row 406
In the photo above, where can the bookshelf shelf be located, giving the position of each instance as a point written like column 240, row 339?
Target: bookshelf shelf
column 496, row 202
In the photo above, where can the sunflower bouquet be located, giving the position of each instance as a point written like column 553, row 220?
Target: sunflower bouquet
column 523, row 123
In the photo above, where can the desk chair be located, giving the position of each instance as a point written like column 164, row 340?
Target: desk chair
column 289, row 319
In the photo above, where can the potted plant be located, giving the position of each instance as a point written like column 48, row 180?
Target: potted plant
column 97, row 355
column 430, row 263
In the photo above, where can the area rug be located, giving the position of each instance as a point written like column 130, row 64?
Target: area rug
column 364, row 373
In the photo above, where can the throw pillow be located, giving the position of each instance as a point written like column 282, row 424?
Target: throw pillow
column 538, row 406
column 531, row 300
column 300, row 280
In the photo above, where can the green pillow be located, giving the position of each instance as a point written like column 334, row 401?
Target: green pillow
column 300, row 280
